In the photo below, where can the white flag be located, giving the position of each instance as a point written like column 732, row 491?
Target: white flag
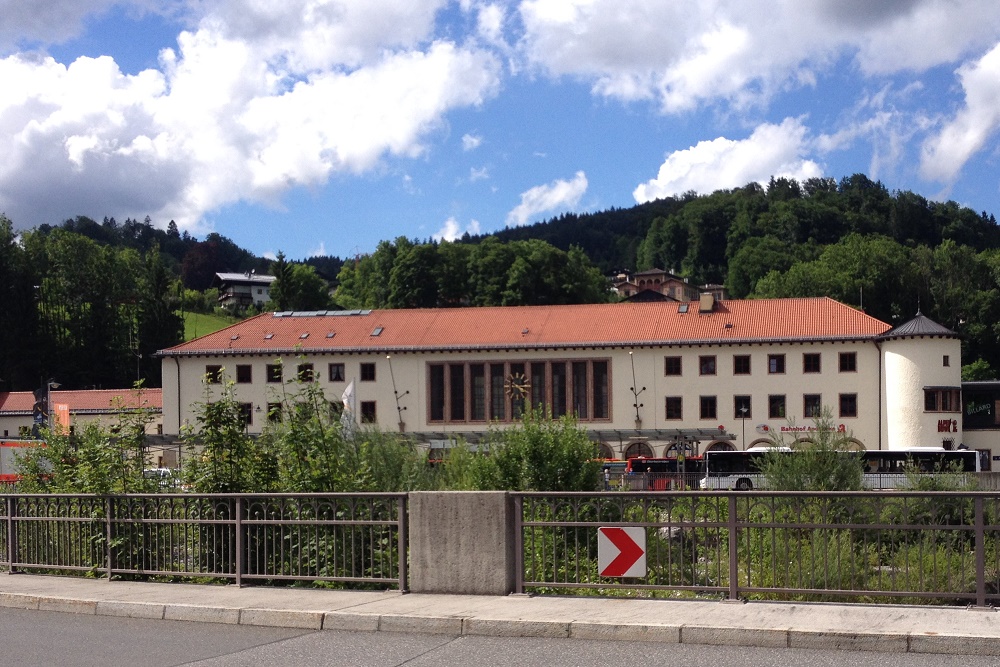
column 347, row 416
column 348, row 398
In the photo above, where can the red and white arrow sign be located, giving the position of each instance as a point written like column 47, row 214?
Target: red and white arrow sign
column 621, row 552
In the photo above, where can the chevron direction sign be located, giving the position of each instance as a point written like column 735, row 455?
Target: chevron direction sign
column 621, row 552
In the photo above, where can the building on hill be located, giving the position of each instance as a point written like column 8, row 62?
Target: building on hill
column 242, row 290
column 660, row 285
column 643, row 378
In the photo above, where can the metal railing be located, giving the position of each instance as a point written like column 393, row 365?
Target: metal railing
column 861, row 546
column 349, row 538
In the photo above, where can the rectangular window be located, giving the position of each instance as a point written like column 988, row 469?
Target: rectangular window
column 811, row 362
column 539, row 397
column 273, row 372
column 460, row 392
column 246, row 414
column 775, row 363
column 706, row 365
column 336, row 410
column 518, row 390
column 848, row 362
column 708, row 407
column 943, row 400
column 675, row 407
column 213, row 374
column 599, row 394
column 436, row 378
column 671, row 365
column 368, row 415
column 946, row 361
column 456, row 393
column 274, row 412
column 558, row 389
column 741, row 364
column 742, row 408
column 336, row 372
column 848, row 405
column 580, row 407
column 776, row 406
column 244, row 374
column 477, row 377
column 368, row 372
column 305, row 373
column 498, row 398
column 812, row 405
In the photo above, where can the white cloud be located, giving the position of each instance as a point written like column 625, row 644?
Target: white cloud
column 772, row 150
column 471, row 142
column 48, row 22
column 558, row 194
column 228, row 118
column 452, row 230
column 944, row 155
column 685, row 54
column 478, row 174
column 318, row 251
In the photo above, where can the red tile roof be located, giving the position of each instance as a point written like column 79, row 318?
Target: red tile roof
column 94, row 401
column 520, row 327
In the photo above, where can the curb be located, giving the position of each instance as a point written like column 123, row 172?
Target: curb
column 951, row 644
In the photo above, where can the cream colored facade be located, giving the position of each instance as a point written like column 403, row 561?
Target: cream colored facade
column 886, row 383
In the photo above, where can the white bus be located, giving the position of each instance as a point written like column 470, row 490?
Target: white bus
column 883, row 469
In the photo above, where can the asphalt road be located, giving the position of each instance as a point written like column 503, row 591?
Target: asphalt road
column 30, row 638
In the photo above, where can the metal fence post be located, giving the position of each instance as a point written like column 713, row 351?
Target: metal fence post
column 980, row 531
column 11, row 534
column 404, row 543
column 734, row 569
column 108, row 534
column 518, row 545
column 239, row 541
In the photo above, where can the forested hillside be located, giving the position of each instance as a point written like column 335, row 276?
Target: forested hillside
column 88, row 303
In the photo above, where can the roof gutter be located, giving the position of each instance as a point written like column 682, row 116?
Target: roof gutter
column 298, row 350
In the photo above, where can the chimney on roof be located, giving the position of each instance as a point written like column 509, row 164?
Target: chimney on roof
column 706, row 303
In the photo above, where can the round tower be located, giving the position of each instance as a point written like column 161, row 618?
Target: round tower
column 922, row 385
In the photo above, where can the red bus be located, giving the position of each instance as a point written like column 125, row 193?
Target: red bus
column 663, row 474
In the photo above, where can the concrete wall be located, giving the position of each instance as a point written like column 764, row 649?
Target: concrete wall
column 461, row 542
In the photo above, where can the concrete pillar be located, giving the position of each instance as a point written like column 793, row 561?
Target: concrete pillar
column 461, row 542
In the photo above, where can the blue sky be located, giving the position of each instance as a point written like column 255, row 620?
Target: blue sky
column 325, row 126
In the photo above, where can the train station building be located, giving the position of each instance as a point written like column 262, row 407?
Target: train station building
column 643, row 378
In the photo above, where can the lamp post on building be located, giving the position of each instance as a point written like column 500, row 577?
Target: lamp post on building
column 49, row 386
column 743, row 416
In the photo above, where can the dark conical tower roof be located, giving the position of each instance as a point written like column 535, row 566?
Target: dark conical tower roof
column 921, row 325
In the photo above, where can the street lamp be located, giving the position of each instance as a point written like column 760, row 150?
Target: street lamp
column 49, row 386
column 743, row 415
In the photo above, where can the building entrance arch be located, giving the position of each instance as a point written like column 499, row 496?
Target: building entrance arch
column 604, row 451
column 636, row 449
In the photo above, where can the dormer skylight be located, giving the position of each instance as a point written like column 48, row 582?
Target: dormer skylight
column 377, row 331
column 683, row 308
column 331, row 334
column 304, row 336
column 268, row 336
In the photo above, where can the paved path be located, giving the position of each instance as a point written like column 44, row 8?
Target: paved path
column 954, row 630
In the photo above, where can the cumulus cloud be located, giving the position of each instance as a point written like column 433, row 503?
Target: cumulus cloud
column 47, row 22
column 965, row 134
column 471, row 142
column 772, row 150
column 478, row 174
column 559, row 194
column 248, row 106
column 684, row 54
column 452, row 230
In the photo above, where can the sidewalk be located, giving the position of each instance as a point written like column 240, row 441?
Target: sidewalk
column 954, row 630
